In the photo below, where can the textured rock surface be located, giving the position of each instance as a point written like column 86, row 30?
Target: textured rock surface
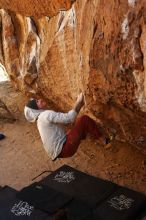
column 11, row 106
column 37, row 8
column 57, row 48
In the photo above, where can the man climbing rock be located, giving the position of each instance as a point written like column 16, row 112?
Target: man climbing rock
column 57, row 142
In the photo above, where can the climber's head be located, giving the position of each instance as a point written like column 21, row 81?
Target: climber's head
column 36, row 104
column 33, row 109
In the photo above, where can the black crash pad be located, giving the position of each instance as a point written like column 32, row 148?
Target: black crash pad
column 47, row 199
column 90, row 198
column 142, row 215
column 123, row 204
column 12, row 208
column 78, row 210
column 100, row 195
column 44, row 197
column 82, row 186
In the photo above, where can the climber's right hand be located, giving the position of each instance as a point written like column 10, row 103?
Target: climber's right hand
column 79, row 102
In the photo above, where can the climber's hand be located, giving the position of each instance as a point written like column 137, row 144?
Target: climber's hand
column 80, row 99
column 79, row 102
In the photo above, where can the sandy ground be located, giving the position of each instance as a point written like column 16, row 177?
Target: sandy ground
column 22, row 157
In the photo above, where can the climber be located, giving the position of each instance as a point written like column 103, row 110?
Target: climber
column 57, row 142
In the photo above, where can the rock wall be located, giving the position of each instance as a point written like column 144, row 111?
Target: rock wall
column 11, row 106
column 58, row 48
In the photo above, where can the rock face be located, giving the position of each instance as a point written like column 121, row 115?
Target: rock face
column 58, row 48
column 11, row 106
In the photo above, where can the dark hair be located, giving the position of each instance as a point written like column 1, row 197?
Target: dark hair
column 32, row 103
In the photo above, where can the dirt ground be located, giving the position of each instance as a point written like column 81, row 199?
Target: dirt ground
column 22, row 158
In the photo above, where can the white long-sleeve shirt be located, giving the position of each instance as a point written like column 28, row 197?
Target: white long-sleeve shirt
column 50, row 126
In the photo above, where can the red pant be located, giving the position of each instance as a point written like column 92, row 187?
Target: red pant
column 83, row 126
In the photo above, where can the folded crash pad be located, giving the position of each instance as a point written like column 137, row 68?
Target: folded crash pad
column 82, row 186
column 44, row 197
column 123, row 204
column 107, row 201
column 12, row 208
